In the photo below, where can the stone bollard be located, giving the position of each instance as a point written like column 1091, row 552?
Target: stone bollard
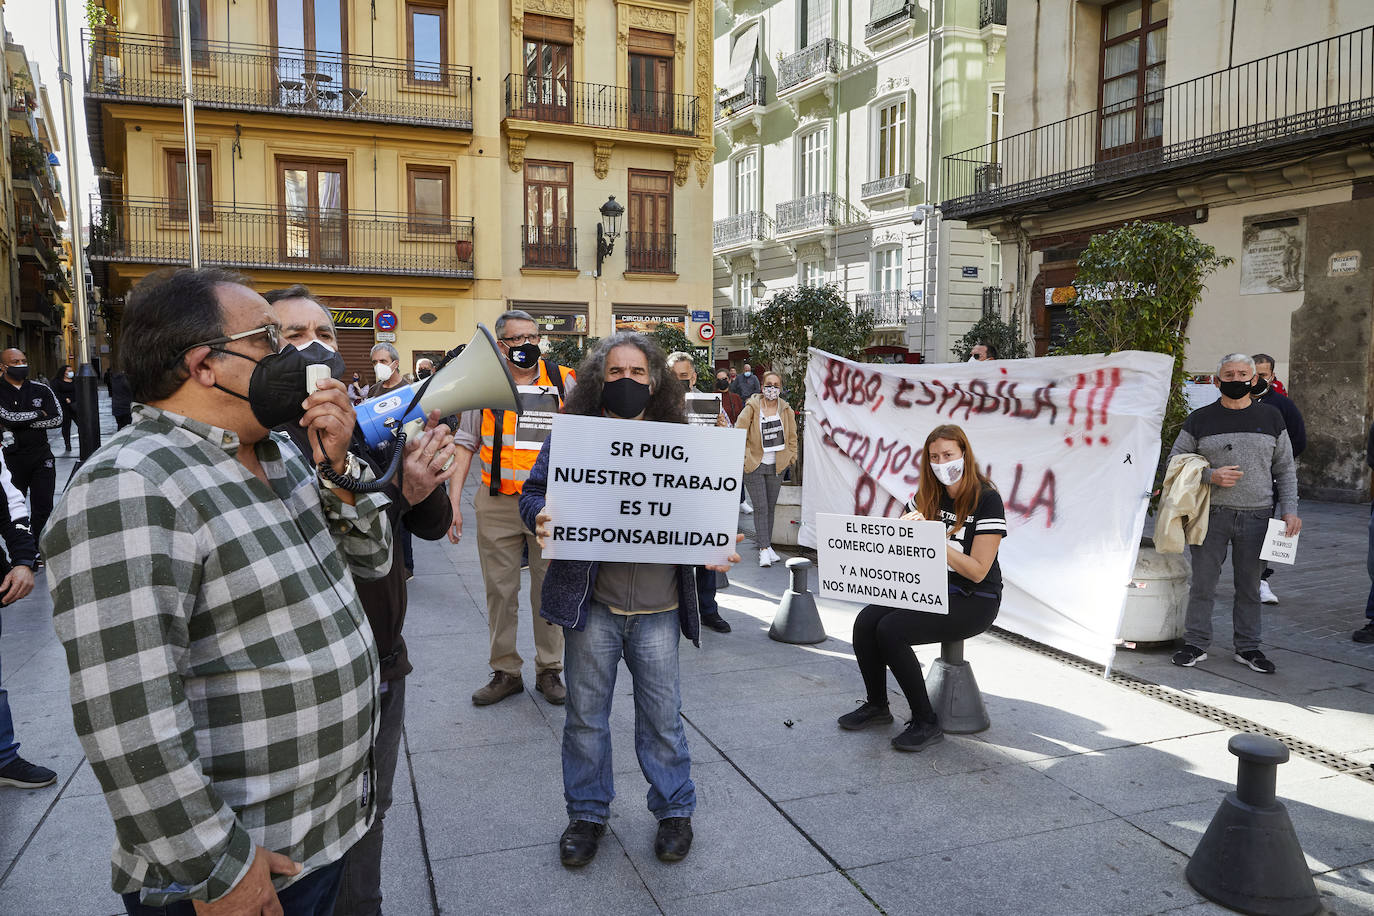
column 1249, row 859
column 797, row 620
column 954, row 692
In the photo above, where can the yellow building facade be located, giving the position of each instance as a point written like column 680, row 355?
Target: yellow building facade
column 441, row 160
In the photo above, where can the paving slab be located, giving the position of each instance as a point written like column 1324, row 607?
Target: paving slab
column 23, row 810
column 405, row 877
column 65, row 871
column 1349, row 891
column 827, row 893
column 1105, row 867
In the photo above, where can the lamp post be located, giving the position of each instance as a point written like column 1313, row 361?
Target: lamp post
column 758, row 289
column 608, row 231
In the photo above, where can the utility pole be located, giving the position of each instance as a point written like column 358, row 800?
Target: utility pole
column 87, row 402
column 188, row 118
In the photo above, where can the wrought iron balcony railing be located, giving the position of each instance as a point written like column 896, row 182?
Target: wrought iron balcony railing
column 992, row 12
column 992, row 300
column 734, row 321
column 549, row 247
column 889, row 185
column 741, row 229
column 747, row 96
column 888, row 307
column 294, row 81
column 563, row 101
column 887, row 20
column 816, row 211
column 651, row 252
column 154, row 231
column 825, row 56
column 1305, row 98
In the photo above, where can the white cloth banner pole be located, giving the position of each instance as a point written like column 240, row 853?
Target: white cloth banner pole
column 1071, row 443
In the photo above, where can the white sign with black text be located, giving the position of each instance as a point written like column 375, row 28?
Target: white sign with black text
column 702, row 409
column 883, row 561
column 538, row 404
column 636, row 491
column 1279, row 548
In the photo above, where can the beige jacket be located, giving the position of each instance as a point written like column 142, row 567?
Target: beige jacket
column 1184, row 503
column 748, row 421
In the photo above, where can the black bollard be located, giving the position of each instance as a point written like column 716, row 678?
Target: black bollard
column 1249, row 859
column 797, row 620
column 954, row 692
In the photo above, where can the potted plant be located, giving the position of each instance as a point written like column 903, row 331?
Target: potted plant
column 1138, row 285
column 465, row 250
column 780, row 334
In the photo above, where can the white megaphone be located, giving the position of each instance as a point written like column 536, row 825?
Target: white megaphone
column 476, row 378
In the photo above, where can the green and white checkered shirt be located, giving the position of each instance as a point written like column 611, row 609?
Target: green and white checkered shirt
column 223, row 674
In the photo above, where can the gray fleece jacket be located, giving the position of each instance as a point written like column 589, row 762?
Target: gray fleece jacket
column 1255, row 440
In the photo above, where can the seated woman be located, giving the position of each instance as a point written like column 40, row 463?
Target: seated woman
column 953, row 489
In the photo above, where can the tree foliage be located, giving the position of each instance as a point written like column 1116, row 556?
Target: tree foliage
column 992, row 329
column 1137, row 288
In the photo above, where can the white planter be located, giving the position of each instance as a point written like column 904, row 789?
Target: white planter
column 1156, row 598
column 787, row 518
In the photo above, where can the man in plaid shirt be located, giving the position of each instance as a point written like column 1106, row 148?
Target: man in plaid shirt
column 223, row 675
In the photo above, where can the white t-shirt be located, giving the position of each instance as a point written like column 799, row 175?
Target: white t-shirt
column 770, row 430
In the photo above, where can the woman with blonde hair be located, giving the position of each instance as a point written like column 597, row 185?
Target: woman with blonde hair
column 770, row 447
column 955, row 491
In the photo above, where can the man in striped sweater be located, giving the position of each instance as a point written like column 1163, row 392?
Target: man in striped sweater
column 1246, row 445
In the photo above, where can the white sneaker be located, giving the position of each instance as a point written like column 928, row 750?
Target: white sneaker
column 745, row 508
column 765, row 557
column 774, row 555
column 1267, row 595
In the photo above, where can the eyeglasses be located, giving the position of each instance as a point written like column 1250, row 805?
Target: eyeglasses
column 520, row 339
column 272, row 331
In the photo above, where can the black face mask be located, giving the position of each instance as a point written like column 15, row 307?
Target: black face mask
column 525, row 356
column 722, row 384
column 1234, row 390
column 277, row 386
column 424, row 373
column 1260, row 388
column 18, row 373
column 625, row 397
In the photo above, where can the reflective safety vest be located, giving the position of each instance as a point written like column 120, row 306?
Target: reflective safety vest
column 513, row 464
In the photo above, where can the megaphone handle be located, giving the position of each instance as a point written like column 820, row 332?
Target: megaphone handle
column 358, row 486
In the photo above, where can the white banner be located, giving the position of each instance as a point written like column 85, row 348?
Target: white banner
column 641, row 492
column 878, row 561
column 1070, row 441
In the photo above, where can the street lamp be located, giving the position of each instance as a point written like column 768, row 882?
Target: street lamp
column 609, row 231
column 758, row 289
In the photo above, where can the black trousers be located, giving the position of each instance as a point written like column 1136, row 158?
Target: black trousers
column 68, row 418
column 35, row 476
column 883, row 637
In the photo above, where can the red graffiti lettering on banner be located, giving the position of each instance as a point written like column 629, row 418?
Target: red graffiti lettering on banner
column 866, row 494
column 879, row 457
column 1096, row 409
column 849, row 385
column 1044, row 497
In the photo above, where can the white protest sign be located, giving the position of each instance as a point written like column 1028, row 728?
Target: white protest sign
column 883, row 561
column 635, row 491
column 1071, row 442
column 702, row 409
column 1279, row 548
column 538, row 404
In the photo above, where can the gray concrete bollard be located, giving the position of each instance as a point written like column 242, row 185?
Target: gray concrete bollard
column 1249, row 859
column 954, row 692
column 797, row 620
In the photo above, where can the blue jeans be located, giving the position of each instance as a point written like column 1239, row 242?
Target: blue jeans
column 1368, row 605
column 312, row 895
column 9, row 748
column 706, row 591
column 648, row 643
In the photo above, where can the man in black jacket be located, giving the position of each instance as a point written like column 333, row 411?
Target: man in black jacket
column 17, row 572
column 65, row 389
column 1265, row 392
column 421, row 502
column 28, row 409
column 121, row 399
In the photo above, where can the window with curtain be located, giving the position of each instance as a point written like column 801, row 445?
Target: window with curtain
column 427, row 198
column 891, row 123
column 548, row 66
column 314, row 204
column 995, row 115
column 746, row 184
column 178, row 194
column 171, row 17
column 744, row 291
column 1134, row 35
column 813, row 163
column 427, row 41
column 649, row 243
column 814, row 16
column 744, row 60
column 887, row 270
column 811, row 273
column 548, row 214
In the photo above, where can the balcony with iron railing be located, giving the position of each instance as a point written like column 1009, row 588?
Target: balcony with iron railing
column 294, row 81
column 548, row 247
column 815, row 212
column 889, row 308
column 733, row 321
column 889, row 16
column 890, row 187
column 155, row 231
column 741, row 99
column 992, row 300
column 564, row 102
column 992, row 12
column 822, row 61
column 1302, row 100
column 741, row 230
column 650, row 253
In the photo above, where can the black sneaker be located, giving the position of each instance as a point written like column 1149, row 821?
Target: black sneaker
column 674, row 839
column 867, row 714
column 577, row 845
column 1365, row 634
column 24, row 775
column 1189, row 656
column 715, row 622
column 919, row 736
column 1256, row 660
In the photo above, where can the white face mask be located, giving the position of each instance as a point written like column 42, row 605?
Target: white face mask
column 949, row 472
column 973, row 359
column 771, row 392
column 382, row 371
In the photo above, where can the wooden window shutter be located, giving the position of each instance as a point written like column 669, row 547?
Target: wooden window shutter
column 548, row 28
column 646, row 42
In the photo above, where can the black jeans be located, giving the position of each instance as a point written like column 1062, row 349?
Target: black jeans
column 312, row 895
column 883, row 637
column 34, row 475
column 68, row 418
column 360, row 891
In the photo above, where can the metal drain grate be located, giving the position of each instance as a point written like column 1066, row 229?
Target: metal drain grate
column 1179, row 700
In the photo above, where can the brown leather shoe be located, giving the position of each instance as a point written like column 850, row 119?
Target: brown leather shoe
column 547, row 683
column 502, row 685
